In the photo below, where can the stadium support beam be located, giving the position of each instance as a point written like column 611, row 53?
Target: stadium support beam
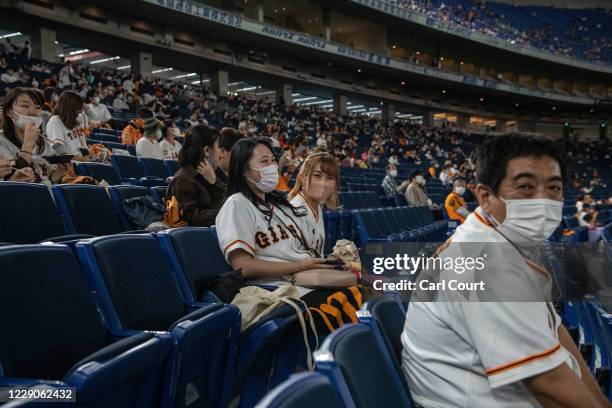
column 259, row 10
column 285, row 93
column 142, row 63
column 428, row 118
column 42, row 41
column 326, row 19
column 463, row 121
column 218, row 82
column 340, row 104
column 388, row 113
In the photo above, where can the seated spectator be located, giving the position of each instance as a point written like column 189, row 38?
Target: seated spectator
column 455, row 206
column 97, row 111
column 389, row 184
column 21, row 144
column 67, row 128
column 481, row 347
column 120, row 102
column 51, row 98
column 229, row 137
column 132, row 132
column 196, row 187
column 415, row 192
column 148, row 146
column 580, row 202
column 260, row 232
column 9, row 77
column 316, row 189
column 169, row 146
column 587, row 216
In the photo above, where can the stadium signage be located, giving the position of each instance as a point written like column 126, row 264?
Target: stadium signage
column 245, row 24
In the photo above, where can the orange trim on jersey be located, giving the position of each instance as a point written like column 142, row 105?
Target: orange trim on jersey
column 316, row 214
column 523, row 361
column 536, row 267
column 485, row 222
column 236, row 242
column 324, row 317
column 346, row 306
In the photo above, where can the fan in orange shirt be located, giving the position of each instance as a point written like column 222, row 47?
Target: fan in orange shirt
column 133, row 131
column 455, row 204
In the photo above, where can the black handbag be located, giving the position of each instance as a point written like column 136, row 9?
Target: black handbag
column 224, row 285
column 143, row 211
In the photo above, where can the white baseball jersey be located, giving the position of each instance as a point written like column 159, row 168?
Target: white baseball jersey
column 72, row 139
column 241, row 225
column 9, row 151
column 475, row 354
column 312, row 224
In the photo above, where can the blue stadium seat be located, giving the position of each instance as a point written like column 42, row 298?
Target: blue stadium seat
column 86, row 209
column 131, row 171
column 136, row 290
column 362, row 379
column 159, row 192
column 99, row 171
column 385, row 316
column 28, row 215
column 172, row 166
column 57, row 337
column 195, row 257
column 153, row 167
column 303, row 390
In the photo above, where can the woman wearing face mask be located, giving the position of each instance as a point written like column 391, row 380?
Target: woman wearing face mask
column 20, row 142
column 67, row 127
column 262, row 234
column 195, row 186
column 316, row 189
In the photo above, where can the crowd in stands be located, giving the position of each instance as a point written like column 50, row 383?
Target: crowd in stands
column 583, row 34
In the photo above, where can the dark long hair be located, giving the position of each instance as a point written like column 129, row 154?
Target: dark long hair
column 237, row 183
column 8, row 126
column 68, row 108
column 197, row 137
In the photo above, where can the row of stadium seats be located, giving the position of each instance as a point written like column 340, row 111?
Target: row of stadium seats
column 30, row 214
column 352, row 200
column 344, row 373
column 157, row 344
column 130, row 170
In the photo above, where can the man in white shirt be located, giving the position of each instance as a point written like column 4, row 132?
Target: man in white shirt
column 148, row 146
column 119, row 103
column 512, row 351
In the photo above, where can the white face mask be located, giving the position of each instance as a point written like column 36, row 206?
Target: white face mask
column 96, row 100
column 269, row 178
column 420, row 180
column 460, row 190
column 393, row 173
column 530, row 221
column 158, row 135
column 23, row 120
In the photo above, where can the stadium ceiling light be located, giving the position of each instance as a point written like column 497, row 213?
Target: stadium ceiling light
column 358, row 69
column 183, row 76
column 591, row 110
column 10, row 35
column 403, row 83
column 554, row 108
column 394, row 46
column 248, row 88
column 104, row 60
column 317, row 102
column 265, row 93
column 157, row 71
column 124, row 67
column 295, row 94
column 77, row 52
column 310, row 98
column 444, row 91
column 354, row 107
column 481, row 99
column 359, row 110
column 235, row 83
column 516, row 104
column 331, row 105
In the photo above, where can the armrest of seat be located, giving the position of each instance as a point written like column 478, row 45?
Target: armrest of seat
column 65, row 238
